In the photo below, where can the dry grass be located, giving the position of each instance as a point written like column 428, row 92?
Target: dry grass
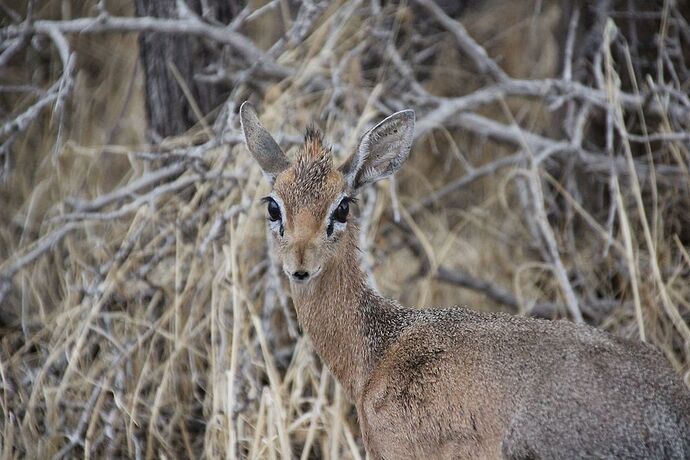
column 156, row 325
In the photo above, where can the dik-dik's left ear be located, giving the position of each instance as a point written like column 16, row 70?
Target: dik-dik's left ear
column 381, row 152
column 261, row 145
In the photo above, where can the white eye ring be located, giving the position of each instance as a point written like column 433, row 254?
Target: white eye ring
column 335, row 227
column 275, row 225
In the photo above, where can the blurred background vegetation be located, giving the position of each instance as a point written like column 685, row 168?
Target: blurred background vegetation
column 141, row 312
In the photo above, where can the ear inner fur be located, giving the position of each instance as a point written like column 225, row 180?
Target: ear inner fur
column 381, row 151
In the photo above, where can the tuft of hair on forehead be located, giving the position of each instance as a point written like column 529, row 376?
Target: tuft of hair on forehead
column 313, row 144
column 314, row 159
column 313, row 164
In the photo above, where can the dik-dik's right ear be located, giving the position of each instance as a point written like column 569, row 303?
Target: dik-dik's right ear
column 381, row 152
column 261, row 145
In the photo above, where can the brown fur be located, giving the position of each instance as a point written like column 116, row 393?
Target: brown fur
column 456, row 383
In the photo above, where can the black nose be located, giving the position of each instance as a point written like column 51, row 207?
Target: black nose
column 301, row 275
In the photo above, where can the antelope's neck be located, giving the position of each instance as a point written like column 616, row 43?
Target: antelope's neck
column 342, row 315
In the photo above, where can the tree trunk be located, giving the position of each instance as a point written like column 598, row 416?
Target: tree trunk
column 170, row 63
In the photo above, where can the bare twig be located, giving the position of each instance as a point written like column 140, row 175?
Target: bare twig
column 494, row 292
column 475, row 51
column 542, row 89
column 130, row 189
column 22, row 121
column 475, row 174
column 569, row 45
column 545, row 147
column 534, row 180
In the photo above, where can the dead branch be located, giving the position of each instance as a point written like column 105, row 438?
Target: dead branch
column 495, row 293
column 189, row 25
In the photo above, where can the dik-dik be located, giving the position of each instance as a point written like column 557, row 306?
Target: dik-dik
column 452, row 382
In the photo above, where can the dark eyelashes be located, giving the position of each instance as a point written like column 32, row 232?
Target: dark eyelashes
column 349, row 201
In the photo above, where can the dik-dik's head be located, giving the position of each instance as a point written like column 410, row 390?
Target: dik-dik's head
column 308, row 208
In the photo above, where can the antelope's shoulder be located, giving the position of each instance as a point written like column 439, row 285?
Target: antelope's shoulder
column 423, row 368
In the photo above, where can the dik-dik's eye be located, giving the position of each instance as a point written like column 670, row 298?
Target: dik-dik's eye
column 275, row 217
column 339, row 216
column 340, row 213
column 273, row 210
